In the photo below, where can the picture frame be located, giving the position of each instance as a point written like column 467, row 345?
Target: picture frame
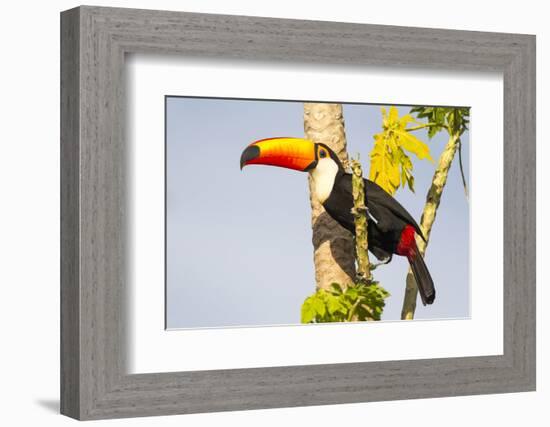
column 94, row 381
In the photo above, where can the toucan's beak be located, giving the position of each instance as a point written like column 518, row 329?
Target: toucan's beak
column 290, row 153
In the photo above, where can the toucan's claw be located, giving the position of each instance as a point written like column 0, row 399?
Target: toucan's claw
column 361, row 278
column 378, row 264
column 359, row 210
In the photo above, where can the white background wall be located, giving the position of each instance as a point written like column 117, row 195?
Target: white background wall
column 29, row 224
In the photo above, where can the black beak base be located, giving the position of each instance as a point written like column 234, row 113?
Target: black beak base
column 250, row 153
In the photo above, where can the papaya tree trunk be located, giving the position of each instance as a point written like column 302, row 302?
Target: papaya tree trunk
column 427, row 220
column 333, row 245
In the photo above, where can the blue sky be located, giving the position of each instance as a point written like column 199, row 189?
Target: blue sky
column 239, row 248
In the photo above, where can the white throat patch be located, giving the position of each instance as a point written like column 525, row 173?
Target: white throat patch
column 323, row 178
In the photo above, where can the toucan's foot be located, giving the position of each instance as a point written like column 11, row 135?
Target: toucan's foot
column 382, row 262
column 361, row 278
column 358, row 211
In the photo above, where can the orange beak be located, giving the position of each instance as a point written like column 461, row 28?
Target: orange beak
column 290, row 153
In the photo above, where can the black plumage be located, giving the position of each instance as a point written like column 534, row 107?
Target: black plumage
column 387, row 217
column 386, row 223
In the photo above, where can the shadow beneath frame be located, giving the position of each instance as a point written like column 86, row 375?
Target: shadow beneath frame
column 51, row 405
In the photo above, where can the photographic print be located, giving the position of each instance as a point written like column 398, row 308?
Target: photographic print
column 292, row 212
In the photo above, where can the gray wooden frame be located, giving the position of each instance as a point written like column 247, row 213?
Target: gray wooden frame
column 94, row 41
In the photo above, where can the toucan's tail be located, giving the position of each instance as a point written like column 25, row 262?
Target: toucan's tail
column 422, row 276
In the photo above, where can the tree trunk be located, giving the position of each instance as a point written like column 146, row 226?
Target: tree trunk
column 334, row 249
column 428, row 217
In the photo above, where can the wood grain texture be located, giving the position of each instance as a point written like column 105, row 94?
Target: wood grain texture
column 70, row 221
column 94, row 382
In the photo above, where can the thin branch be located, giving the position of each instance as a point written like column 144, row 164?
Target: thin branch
column 462, row 169
column 353, row 308
column 426, row 125
column 429, row 213
column 359, row 212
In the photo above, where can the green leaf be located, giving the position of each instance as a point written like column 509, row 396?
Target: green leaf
column 308, row 313
column 453, row 119
column 336, row 288
column 325, row 306
column 334, row 305
column 352, row 293
column 319, row 306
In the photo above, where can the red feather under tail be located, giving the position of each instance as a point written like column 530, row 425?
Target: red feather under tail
column 407, row 247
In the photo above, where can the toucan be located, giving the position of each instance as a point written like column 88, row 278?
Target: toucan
column 391, row 229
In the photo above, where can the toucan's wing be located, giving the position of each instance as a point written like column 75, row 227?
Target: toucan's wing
column 377, row 197
column 383, row 208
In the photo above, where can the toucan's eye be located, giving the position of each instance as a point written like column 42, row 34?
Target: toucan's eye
column 322, row 154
